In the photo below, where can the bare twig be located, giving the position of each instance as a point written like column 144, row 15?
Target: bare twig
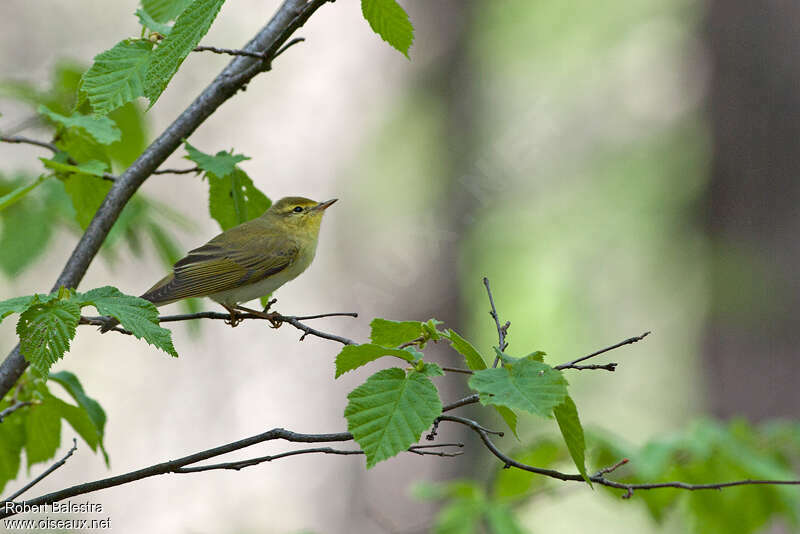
column 605, row 366
column 468, row 422
column 502, row 331
column 457, row 370
column 611, row 468
column 49, row 470
column 236, row 466
column 472, row 399
column 28, row 141
column 178, row 171
column 13, row 408
column 246, row 53
column 599, row 478
column 571, row 365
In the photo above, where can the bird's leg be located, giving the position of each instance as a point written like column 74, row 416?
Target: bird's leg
column 235, row 319
column 274, row 317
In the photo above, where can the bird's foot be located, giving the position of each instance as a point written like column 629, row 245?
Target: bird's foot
column 235, row 318
column 275, row 318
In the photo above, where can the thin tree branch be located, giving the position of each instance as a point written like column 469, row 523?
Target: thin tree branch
column 290, row 16
column 605, row 366
column 472, row 399
column 178, row 171
column 28, row 141
column 502, row 331
column 599, row 478
column 49, row 470
column 457, row 370
column 276, row 317
column 236, row 466
column 13, row 408
column 571, row 365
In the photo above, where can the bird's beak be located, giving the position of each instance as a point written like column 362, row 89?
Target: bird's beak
column 322, row 206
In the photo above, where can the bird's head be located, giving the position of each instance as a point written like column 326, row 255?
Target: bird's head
column 298, row 212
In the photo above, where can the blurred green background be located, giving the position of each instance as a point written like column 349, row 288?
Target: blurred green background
column 612, row 168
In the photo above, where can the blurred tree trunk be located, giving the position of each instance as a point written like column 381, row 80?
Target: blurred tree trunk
column 752, row 351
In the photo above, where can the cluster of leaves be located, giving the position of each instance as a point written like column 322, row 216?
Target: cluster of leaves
column 47, row 323
column 708, row 452
column 143, row 67
column 72, row 188
column 392, row 409
column 36, row 427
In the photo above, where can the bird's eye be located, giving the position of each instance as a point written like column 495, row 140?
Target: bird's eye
column 297, row 209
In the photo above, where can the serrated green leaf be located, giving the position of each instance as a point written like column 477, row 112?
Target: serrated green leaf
column 472, row 357
column 42, row 432
column 570, row 425
column 429, row 369
column 117, row 75
column 222, row 164
column 101, row 128
column 19, row 193
column 15, row 305
column 390, row 21
column 525, row 384
column 137, row 315
column 191, row 25
column 12, row 440
column 87, row 193
column 389, row 412
column 164, row 10
column 393, row 333
column 151, row 24
column 92, row 167
column 45, row 330
column 354, row 356
column 235, row 199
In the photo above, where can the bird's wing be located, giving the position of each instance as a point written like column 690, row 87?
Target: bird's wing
column 215, row 267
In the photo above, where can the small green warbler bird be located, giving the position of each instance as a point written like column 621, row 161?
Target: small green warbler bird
column 247, row 261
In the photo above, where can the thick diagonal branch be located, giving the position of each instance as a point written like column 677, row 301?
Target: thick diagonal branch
column 290, row 16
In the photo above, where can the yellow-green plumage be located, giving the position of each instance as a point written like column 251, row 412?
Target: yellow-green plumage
column 250, row 260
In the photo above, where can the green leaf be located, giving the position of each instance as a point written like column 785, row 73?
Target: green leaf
column 93, row 167
column 429, row 369
column 389, row 412
column 354, row 356
column 390, row 21
column 393, row 333
column 151, row 24
column 137, row 315
column 42, row 432
column 222, row 164
column 567, row 417
column 234, row 199
column 45, row 330
column 15, row 305
column 510, row 417
column 92, row 408
column 164, row 10
column 525, row 385
column 189, row 28
column 87, row 193
column 19, row 193
column 130, row 120
column 472, row 357
column 102, row 129
column 117, row 75
column 12, row 440
column 77, row 418
column 461, row 516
